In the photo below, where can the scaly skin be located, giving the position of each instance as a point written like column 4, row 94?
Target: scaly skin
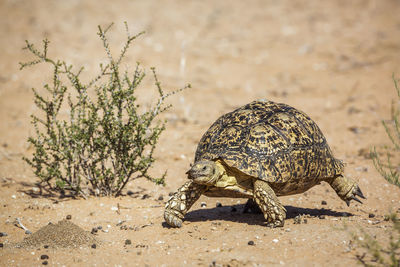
column 346, row 189
column 269, row 204
column 180, row 202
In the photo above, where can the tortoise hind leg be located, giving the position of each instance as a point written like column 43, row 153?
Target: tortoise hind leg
column 271, row 207
column 346, row 189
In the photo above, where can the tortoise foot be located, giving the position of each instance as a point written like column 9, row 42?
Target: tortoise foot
column 347, row 189
column 352, row 195
column 172, row 219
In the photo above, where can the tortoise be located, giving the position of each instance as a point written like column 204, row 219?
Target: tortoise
column 260, row 151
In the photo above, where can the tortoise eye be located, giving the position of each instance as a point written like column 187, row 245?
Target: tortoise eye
column 204, row 168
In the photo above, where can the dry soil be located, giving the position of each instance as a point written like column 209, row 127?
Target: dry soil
column 332, row 59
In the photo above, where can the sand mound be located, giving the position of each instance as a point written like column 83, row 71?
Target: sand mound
column 64, row 234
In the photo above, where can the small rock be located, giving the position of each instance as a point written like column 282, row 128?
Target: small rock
column 94, row 246
column 13, row 196
column 145, row 196
column 371, row 215
column 3, row 234
column 203, row 204
column 46, row 246
column 1, row 245
column 275, row 240
column 44, row 257
column 94, row 231
column 45, row 262
column 170, row 194
column 130, row 193
column 354, row 129
column 128, row 242
column 250, row 243
column 99, row 227
column 161, row 197
column 233, row 209
column 322, row 217
column 299, row 219
column 69, row 217
column 323, row 202
column 218, row 204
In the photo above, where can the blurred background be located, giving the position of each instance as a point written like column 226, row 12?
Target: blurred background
column 332, row 59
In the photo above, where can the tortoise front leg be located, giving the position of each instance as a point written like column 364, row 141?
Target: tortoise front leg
column 271, row 207
column 180, row 202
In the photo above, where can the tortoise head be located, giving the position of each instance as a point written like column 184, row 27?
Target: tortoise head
column 204, row 172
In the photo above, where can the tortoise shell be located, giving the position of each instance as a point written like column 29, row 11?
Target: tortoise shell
column 270, row 141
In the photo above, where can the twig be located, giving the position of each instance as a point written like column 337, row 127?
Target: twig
column 20, row 225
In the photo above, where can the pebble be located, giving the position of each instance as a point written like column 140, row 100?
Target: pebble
column 323, row 202
column 129, row 193
column 44, row 257
column 145, row 196
column 218, row 204
column 69, row 217
column 322, row 217
column 299, row 219
column 371, row 215
column 275, row 240
column 128, row 242
column 161, row 197
column 250, row 243
column 45, row 262
column 94, row 246
column 46, row 246
column 203, row 204
column 3, row 234
column 170, row 194
column 94, row 231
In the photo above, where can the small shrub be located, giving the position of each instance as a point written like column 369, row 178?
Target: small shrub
column 388, row 169
column 106, row 142
column 381, row 253
column 386, row 253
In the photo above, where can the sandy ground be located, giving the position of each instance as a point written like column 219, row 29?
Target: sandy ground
column 332, row 59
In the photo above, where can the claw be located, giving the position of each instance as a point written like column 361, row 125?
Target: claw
column 356, row 199
column 172, row 220
column 359, row 193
